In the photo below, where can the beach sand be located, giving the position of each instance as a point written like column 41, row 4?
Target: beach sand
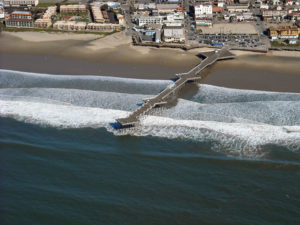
column 114, row 55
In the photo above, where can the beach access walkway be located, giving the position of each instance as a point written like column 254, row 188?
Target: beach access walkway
column 164, row 97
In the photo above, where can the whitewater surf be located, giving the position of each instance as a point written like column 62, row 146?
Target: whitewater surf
column 236, row 122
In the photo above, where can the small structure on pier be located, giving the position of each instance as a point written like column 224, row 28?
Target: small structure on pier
column 163, row 97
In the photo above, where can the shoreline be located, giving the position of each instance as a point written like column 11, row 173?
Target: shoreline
column 114, row 55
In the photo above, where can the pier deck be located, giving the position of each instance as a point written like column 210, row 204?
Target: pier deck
column 164, row 97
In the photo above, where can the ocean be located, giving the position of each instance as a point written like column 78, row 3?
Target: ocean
column 216, row 156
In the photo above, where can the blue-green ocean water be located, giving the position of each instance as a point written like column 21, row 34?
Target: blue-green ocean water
column 219, row 156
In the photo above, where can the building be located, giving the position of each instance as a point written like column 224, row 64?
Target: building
column 175, row 17
column 289, row 2
column 237, row 8
column 203, row 14
column 174, row 34
column 221, row 3
column 42, row 23
column 103, row 27
column 264, row 6
column 274, row 14
column 166, row 8
column 203, row 10
column 217, row 10
column 20, row 19
column 121, row 19
column 72, row 8
column 284, row 32
column 248, row 16
column 97, row 14
column 46, row 20
column 203, row 23
column 2, row 15
column 69, row 25
column 143, row 20
column 51, row 11
column 9, row 3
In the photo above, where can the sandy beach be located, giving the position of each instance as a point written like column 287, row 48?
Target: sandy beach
column 114, row 55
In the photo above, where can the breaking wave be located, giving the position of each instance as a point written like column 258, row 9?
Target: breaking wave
column 231, row 121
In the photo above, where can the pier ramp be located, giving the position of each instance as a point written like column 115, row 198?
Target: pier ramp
column 182, row 78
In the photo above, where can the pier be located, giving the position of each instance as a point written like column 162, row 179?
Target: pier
column 164, row 97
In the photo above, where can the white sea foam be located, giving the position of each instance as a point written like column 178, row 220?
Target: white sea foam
column 86, row 98
column 268, row 112
column 56, row 115
column 236, row 122
column 15, row 79
column 210, row 94
column 242, row 139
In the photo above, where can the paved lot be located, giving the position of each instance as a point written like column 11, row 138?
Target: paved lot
column 235, row 28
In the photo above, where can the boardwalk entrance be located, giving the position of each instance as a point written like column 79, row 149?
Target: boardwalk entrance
column 183, row 78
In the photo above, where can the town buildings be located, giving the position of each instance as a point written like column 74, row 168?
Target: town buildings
column 207, row 22
column 72, row 8
column 69, row 25
column 46, row 20
column 103, row 27
column 237, row 8
column 284, row 32
column 143, row 20
column 14, row 3
column 274, row 14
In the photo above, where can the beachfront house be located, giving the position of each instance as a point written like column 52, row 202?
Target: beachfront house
column 20, row 19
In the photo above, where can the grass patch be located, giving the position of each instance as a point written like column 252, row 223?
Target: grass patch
column 284, row 44
column 46, row 4
column 82, row 16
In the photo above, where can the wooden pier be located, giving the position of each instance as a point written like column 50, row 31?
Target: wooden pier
column 182, row 78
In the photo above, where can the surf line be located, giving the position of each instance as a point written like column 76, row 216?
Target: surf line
column 181, row 79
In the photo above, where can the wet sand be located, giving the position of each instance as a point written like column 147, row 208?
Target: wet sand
column 112, row 55
column 115, row 56
column 60, row 65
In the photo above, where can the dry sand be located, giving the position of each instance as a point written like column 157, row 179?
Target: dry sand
column 45, row 36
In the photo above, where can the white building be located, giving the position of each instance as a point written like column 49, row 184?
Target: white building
column 121, row 19
column 143, row 20
column 238, row 8
column 203, row 10
column 179, row 16
column 174, row 35
column 221, row 3
column 9, row 3
column 264, row 6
